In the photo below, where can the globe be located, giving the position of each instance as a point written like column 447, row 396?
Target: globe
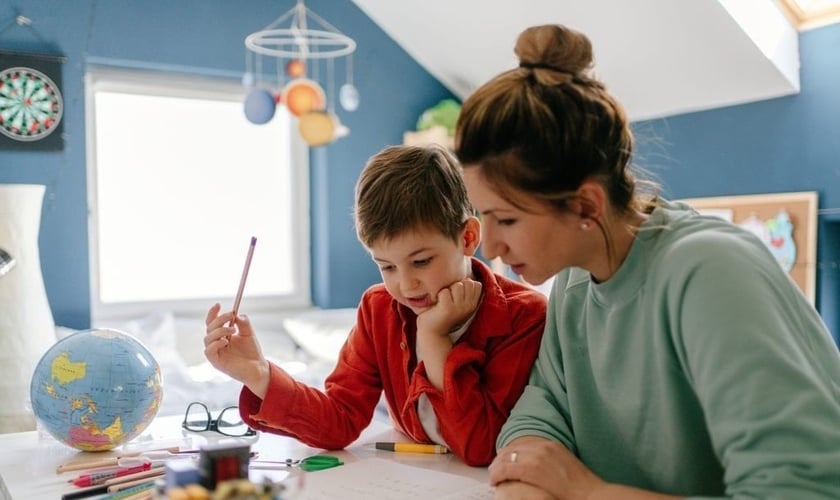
column 96, row 389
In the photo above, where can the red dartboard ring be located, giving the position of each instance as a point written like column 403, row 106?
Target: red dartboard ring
column 30, row 104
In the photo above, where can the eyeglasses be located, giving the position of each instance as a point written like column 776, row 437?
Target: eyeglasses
column 228, row 423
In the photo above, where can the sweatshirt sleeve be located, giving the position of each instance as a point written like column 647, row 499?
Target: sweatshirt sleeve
column 329, row 419
column 482, row 383
column 765, row 369
column 543, row 408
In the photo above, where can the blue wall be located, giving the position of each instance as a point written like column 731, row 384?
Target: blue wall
column 785, row 144
column 205, row 37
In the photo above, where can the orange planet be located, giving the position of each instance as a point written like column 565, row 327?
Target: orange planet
column 303, row 95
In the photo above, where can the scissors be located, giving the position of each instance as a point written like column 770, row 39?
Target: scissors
column 315, row 462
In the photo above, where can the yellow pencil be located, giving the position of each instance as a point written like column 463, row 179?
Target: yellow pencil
column 412, row 447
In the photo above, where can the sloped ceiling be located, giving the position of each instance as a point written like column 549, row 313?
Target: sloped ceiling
column 659, row 57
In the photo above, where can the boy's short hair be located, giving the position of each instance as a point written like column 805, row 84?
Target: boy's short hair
column 404, row 188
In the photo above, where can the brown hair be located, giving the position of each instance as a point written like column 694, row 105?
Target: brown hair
column 404, row 188
column 547, row 126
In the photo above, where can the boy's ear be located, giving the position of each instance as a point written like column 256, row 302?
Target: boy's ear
column 472, row 236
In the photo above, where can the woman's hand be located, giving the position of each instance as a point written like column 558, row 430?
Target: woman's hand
column 516, row 490
column 547, row 466
column 235, row 351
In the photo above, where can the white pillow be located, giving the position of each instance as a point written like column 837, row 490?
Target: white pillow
column 321, row 332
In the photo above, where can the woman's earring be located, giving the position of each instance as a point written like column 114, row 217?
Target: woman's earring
column 584, row 225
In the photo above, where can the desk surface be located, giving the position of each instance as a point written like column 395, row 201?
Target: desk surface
column 28, row 460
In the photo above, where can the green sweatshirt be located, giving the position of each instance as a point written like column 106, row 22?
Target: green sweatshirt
column 697, row 369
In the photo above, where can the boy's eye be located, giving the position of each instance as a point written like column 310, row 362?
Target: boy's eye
column 422, row 262
column 506, row 222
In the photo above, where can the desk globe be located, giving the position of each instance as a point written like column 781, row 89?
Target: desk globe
column 96, row 389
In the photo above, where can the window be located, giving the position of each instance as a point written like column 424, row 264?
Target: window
column 812, row 13
column 178, row 181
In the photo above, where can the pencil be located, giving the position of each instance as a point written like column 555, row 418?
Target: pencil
column 87, row 464
column 105, row 462
column 143, row 495
column 130, row 484
column 85, row 492
column 244, row 277
column 131, row 492
column 412, row 447
column 100, row 477
column 154, row 471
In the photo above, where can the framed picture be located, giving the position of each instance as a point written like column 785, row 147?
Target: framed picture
column 31, row 103
column 785, row 222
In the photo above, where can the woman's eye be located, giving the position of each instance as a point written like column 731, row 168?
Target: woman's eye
column 506, row 222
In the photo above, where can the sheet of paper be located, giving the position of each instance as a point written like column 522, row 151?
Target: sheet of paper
column 375, row 478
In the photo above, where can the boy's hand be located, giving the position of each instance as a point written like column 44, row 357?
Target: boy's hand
column 234, row 350
column 455, row 304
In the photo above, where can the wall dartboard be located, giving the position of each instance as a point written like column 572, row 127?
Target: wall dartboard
column 31, row 106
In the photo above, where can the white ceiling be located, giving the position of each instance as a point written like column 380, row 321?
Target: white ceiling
column 659, row 57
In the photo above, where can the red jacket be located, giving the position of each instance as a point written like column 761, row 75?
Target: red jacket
column 484, row 375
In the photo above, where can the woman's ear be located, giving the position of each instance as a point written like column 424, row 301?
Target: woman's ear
column 590, row 201
column 472, row 236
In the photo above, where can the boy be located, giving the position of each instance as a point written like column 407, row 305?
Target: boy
column 450, row 343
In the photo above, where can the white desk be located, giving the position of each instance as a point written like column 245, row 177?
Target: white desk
column 28, row 460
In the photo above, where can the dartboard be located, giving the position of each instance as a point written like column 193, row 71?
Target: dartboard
column 30, row 104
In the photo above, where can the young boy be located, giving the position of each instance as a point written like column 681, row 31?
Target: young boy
column 450, row 343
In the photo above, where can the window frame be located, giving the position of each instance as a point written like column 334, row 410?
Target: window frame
column 160, row 83
column 815, row 17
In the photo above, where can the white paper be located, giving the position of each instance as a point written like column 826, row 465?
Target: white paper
column 375, row 478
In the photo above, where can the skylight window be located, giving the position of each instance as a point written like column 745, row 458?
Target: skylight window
column 812, row 13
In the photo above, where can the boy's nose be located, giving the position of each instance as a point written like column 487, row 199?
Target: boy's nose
column 408, row 280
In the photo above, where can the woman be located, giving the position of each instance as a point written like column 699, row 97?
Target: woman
column 678, row 359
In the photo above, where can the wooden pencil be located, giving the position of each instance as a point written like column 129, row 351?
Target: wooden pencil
column 129, row 484
column 242, row 279
column 87, row 464
column 95, row 463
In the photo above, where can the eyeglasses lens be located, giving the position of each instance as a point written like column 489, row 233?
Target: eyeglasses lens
column 197, row 418
column 230, row 423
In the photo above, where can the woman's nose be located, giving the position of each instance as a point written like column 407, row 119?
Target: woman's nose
column 491, row 247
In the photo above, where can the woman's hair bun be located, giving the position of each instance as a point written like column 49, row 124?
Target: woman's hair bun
column 554, row 46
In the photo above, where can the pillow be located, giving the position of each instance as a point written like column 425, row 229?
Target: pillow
column 159, row 332
column 321, row 332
